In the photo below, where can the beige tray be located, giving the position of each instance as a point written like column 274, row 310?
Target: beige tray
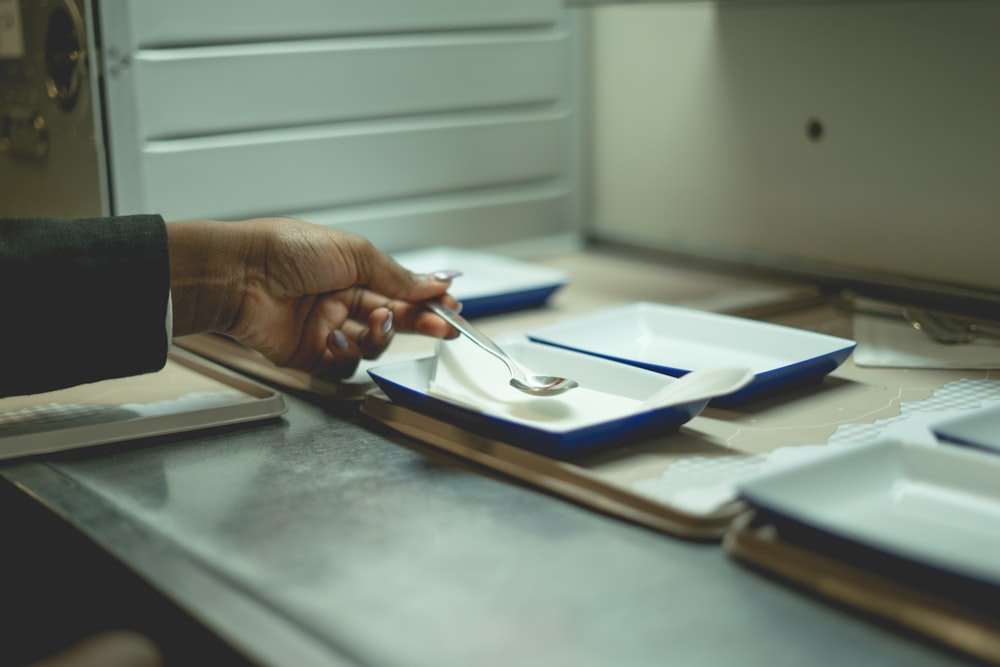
column 684, row 483
column 594, row 486
column 233, row 355
column 189, row 393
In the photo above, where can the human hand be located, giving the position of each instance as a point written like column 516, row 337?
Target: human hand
column 307, row 297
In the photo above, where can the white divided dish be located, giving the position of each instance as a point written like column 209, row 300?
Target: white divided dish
column 931, row 505
column 675, row 340
column 489, row 283
column 464, row 385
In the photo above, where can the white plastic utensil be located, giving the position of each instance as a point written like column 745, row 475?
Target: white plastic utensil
column 700, row 384
column 529, row 383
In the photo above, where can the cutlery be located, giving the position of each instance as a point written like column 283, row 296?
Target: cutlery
column 520, row 378
column 947, row 330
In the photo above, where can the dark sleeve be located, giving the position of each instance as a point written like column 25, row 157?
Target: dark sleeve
column 81, row 300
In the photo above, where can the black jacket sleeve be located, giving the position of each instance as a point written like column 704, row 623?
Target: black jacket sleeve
column 81, row 300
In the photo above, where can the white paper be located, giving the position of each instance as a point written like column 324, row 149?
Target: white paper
column 468, row 376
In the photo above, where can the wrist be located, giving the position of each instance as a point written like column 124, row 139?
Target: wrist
column 207, row 274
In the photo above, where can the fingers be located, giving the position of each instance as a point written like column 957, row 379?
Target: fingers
column 406, row 316
column 347, row 343
column 334, row 336
column 371, row 339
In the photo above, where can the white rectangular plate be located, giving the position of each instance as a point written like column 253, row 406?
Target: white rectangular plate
column 489, row 283
column 931, row 505
column 409, row 384
column 675, row 340
column 979, row 429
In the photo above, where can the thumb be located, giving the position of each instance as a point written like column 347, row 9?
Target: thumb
column 381, row 273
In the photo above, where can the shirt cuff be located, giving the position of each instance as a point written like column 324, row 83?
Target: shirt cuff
column 170, row 318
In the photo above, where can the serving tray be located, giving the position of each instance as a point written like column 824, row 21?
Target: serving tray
column 189, row 393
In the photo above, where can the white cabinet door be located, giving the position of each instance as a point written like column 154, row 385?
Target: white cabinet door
column 455, row 120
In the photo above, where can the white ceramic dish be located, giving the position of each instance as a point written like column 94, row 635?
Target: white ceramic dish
column 933, row 506
column 489, row 283
column 980, row 429
column 410, row 384
column 674, row 341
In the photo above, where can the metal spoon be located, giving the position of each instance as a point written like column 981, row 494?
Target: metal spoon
column 943, row 329
column 536, row 385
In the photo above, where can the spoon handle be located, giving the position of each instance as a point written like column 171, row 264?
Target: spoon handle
column 474, row 334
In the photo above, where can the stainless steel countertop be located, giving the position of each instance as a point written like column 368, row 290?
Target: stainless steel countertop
column 323, row 539
column 315, row 540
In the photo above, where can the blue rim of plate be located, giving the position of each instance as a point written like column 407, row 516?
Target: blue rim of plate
column 952, row 439
column 764, row 383
column 964, row 588
column 555, row 444
column 492, row 304
column 882, row 557
column 951, row 430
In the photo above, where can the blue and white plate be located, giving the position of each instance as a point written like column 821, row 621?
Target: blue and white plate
column 675, row 340
column 932, row 506
column 489, row 283
column 543, row 424
column 979, row 429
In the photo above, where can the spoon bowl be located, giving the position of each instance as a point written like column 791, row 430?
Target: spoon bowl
column 529, row 383
column 542, row 385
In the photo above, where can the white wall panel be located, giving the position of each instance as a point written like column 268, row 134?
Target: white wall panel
column 701, row 134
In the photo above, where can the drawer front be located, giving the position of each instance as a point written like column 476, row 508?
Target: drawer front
column 458, row 219
column 174, row 22
column 284, row 171
column 297, row 83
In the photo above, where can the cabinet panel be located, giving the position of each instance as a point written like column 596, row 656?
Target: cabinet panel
column 364, row 113
column 459, row 219
column 219, row 21
column 221, row 89
column 294, row 170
